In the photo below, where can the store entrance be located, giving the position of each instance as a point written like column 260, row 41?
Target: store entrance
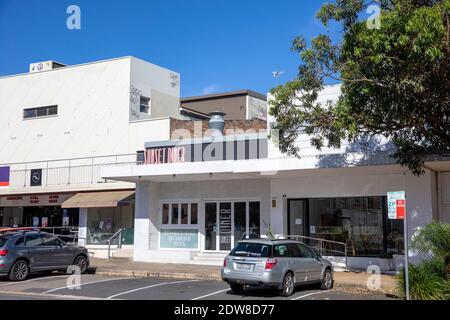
column 297, row 217
column 227, row 222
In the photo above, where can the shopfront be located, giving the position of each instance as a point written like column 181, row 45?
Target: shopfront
column 37, row 210
column 208, row 225
column 359, row 222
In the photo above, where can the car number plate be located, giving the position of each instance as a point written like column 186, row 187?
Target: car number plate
column 244, row 266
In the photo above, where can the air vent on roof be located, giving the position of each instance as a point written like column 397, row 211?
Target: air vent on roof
column 45, row 66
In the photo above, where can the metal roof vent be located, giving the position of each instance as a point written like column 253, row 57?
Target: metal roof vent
column 217, row 123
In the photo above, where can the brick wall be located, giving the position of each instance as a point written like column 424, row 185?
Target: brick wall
column 197, row 129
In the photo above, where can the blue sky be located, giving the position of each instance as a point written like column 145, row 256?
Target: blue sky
column 216, row 45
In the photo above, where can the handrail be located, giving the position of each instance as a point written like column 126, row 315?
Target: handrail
column 118, row 232
column 321, row 242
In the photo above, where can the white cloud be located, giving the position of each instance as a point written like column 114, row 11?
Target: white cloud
column 210, row 89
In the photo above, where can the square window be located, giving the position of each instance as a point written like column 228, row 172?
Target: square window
column 194, row 213
column 174, row 214
column 165, row 213
column 184, row 213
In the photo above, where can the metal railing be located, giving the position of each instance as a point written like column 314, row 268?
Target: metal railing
column 118, row 233
column 57, row 231
column 322, row 246
column 74, row 171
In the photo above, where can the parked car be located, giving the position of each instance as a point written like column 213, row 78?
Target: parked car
column 279, row 264
column 28, row 251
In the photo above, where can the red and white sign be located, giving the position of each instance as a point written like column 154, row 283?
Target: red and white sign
column 165, row 155
column 35, row 200
column 400, row 210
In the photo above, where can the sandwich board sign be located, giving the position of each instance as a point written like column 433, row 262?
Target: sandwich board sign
column 396, row 205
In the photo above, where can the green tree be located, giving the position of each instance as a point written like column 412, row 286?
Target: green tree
column 395, row 80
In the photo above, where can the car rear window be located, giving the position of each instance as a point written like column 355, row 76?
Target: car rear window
column 3, row 241
column 246, row 249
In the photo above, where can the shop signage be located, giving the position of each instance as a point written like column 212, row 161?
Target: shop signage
column 36, row 178
column 178, row 239
column 225, row 228
column 165, row 155
column 34, row 200
column 396, row 205
column 4, row 176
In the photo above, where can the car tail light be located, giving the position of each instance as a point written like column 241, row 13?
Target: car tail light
column 3, row 253
column 225, row 262
column 270, row 263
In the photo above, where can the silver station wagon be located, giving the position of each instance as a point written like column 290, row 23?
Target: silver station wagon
column 278, row 264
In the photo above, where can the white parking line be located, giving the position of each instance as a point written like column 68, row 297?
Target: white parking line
column 211, row 294
column 307, row 295
column 83, row 284
column 34, row 279
column 148, row 287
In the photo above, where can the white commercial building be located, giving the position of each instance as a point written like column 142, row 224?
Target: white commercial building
column 194, row 207
column 60, row 124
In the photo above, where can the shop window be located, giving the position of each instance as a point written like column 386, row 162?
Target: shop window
column 165, row 214
column 194, row 213
column 174, row 219
column 184, row 213
column 179, row 214
column 240, row 221
column 356, row 221
column 103, row 223
column 254, row 220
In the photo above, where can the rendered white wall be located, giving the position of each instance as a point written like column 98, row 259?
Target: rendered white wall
column 92, row 116
column 93, row 110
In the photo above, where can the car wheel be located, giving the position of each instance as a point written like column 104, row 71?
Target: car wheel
column 19, row 271
column 237, row 288
column 81, row 262
column 288, row 285
column 327, row 281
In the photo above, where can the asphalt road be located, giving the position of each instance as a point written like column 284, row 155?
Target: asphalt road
column 93, row 286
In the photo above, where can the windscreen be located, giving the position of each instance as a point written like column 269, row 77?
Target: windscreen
column 246, row 249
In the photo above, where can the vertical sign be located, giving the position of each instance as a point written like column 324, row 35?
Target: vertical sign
column 397, row 211
column 396, row 204
column 225, row 226
column 36, row 178
column 4, row 176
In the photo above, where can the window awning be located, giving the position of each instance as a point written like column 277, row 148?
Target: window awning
column 103, row 199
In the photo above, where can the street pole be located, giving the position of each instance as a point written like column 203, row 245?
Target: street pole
column 405, row 227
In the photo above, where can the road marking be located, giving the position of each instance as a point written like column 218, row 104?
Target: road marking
column 83, row 284
column 148, row 287
column 211, row 294
column 307, row 295
column 34, row 279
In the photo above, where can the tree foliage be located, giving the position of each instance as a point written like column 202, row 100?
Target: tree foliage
column 395, row 80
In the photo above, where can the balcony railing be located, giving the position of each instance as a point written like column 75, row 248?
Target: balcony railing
column 66, row 172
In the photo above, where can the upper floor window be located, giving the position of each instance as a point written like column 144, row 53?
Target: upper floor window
column 144, row 105
column 39, row 112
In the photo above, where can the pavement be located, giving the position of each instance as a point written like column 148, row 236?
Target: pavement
column 101, row 287
column 126, row 268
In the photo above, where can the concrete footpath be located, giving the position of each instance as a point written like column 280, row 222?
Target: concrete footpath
column 127, row 268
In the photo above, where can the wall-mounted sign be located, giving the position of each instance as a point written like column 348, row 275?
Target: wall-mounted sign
column 35, row 221
column 396, row 205
column 178, row 238
column 34, row 200
column 36, row 178
column 164, row 155
column 4, row 176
